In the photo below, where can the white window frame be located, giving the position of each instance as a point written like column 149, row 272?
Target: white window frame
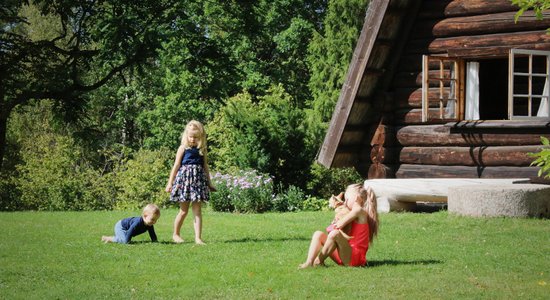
column 531, row 115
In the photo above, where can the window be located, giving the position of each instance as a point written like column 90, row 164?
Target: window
column 441, row 88
column 528, row 84
column 487, row 89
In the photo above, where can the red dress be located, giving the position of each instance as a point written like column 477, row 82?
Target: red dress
column 359, row 245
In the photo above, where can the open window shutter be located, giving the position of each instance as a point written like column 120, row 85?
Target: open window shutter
column 442, row 89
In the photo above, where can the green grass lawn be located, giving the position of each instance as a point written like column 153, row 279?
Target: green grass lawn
column 49, row 255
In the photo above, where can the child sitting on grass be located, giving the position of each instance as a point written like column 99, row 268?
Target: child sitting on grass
column 363, row 217
column 127, row 228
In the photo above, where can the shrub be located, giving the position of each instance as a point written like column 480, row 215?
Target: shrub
column 54, row 173
column 315, row 204
column 246, row 192
column 9, row 194
column 543, row 158
column 325, row 182
column 141, row 179
column 265, row 134
column 290, row 200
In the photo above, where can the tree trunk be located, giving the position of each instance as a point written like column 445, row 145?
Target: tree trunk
column 3, row 132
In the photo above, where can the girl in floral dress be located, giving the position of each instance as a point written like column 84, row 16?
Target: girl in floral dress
column 189, row 181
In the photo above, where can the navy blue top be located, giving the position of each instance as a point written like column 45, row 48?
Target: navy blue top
column 136, row 226
column 191, row 156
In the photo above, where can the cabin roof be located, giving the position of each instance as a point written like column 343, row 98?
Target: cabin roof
column 382, row 34
column 388, row 28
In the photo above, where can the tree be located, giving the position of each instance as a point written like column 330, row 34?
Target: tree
column 85, row 44
column 330, row 52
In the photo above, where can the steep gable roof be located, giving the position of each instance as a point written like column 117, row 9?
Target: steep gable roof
column 386, row 24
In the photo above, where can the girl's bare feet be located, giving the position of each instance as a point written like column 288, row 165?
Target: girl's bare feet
column 177, row 239
column 200, row 242
column 106, row 239
column 305, row 266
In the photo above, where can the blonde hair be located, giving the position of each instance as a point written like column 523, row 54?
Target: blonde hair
column 191, row 126
column 151, row 209
column 370, row 206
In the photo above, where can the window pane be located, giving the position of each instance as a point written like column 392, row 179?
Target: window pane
column 539, row 64
column 535, row 102
column 521, row 106
column 521, row 63
column 521, row 85
column 538, row 85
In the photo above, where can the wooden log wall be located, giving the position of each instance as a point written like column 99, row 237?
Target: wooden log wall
column 472, row 29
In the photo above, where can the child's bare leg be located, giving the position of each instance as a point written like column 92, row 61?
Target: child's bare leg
column 336, row 240
column 317, row 241
column 107, row 239
column 180, row 217
column 197, row 212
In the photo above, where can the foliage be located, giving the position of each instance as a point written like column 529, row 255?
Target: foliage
column 53, row 172
column 266, row 41
column 140, row 180
column 120, row 80
column 267, row 136
column 330, row 52
column 538, row 6
column 9, row 194
column 312, row 203
column 61, row 50
column 542, row 158
column 325, row 182
column 244, row 191
column 290, row 200
column 416, row 256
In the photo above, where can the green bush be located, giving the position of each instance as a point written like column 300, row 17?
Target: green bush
column 325, row 182
column 9, row 194
column 315, row 204
column 265, row 134
column 53, row 174
column 290, row 200
column 543, row 158
column 141, row 179
column 245, row 192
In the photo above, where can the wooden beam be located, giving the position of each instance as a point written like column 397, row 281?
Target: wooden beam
column 440, row 135
column 512, row 40
column 432, row 9
column 501, row 51
column 373, row 19
column 467, row 156
column 480, row 24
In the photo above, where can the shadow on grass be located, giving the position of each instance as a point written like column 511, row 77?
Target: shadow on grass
column 392, row 262
column 242, row 240
column 255, row 240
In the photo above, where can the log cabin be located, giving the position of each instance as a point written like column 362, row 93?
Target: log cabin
column 443, row 89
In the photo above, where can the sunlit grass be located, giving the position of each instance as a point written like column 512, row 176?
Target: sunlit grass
column 47, row 255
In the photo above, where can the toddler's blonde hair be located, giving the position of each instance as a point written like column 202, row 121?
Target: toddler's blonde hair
column 151, row 209
column 191, row 126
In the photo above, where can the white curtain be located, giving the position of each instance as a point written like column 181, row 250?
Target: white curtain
column 472, row 91
column 450, row 112
column 543, row 108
